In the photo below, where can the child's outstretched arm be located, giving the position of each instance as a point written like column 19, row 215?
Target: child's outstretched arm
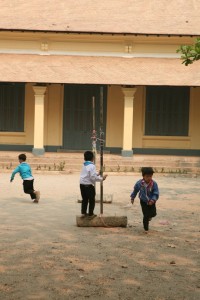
column 135, row 191
column 16, row 170
column 94, row 176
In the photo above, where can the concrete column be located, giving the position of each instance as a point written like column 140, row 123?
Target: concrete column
column 128, row 121
column 38, row 148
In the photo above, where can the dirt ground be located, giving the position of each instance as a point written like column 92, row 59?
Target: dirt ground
column 44, row 255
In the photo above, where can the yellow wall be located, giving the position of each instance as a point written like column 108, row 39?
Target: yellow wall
column 96, row 44
column 29, row 114
column 52, row 118
column 54, row 115
column 115, row 117
column 114, row 132
column 138, row 117
column 115, row 110
column 12, row 138
column 190, row 142
column 194, row 131
column 114, row 128
column 53, row 111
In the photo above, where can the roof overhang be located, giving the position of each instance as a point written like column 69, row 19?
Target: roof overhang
column 122, row 16
column 97, row 70
column 102, row 33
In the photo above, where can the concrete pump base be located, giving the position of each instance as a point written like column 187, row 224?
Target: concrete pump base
column 102, row 221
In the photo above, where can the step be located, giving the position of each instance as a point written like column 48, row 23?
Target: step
column 52, row 161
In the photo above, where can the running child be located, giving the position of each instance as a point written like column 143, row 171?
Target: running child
column 25, row 172
column 148, row 195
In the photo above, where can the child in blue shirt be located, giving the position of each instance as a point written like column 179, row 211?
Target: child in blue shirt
column 25, row 172
column 148, row 195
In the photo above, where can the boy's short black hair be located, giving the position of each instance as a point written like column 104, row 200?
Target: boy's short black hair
column 147, row 171
column 88, row 155
column 22, row 157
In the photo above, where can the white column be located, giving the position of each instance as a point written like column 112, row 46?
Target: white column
column 128, row 121
column 38, row 148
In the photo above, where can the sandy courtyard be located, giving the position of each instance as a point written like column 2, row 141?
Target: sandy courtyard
column 44, row 255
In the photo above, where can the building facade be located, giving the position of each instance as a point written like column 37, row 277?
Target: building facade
column 56, row 64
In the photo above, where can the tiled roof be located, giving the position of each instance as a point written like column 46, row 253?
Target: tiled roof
column 97, row 70
column 106, row 16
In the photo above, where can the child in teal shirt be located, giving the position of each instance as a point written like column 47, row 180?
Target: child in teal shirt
column 26, row 174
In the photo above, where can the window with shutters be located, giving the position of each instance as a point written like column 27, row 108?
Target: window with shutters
column 12, row 98
column 167, row 111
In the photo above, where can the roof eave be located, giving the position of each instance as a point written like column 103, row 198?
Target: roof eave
column 100, row 33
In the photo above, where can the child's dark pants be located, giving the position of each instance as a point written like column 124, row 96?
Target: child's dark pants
column 88, row 195
column 28, row 188
column 149, row 211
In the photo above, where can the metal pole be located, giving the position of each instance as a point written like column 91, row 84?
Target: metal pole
column 94, row 135
column 101, row 148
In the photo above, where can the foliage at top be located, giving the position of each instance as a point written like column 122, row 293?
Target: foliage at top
column 190, row 53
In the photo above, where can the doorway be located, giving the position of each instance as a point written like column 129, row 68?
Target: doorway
column 78, row 115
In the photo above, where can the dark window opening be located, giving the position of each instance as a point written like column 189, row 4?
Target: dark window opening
column 12, row 98
column 167, row 111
